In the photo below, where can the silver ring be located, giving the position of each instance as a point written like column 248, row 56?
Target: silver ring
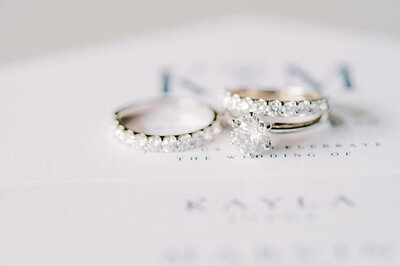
column 162, row 135
column 255, row 113
column 289, row 102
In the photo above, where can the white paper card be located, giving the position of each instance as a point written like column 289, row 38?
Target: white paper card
column 72, row 195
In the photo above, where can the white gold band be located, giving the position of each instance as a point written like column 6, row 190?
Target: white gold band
column 288, row 102
column 127, row 128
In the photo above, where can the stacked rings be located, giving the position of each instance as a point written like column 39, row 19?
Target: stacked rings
column 255, row 113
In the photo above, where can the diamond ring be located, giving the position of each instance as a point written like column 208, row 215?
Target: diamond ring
column 250, row 135
column 292, row 101
column 254, row 114
column 169, row 125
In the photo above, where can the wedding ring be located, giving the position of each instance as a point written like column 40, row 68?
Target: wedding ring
column 168, row 125
column 291, row 101
column 255, row 113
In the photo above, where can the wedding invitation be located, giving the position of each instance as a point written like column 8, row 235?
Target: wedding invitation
column 70, row 194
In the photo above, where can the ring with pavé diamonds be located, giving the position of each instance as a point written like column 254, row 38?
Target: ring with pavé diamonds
column 166, row 125
column 254, row 113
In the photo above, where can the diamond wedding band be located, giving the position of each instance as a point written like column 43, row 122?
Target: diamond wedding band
column 288, row 102
column 254, row 113
column 129, row 125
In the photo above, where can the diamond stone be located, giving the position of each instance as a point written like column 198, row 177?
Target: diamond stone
column 234, row 102
column 258, row 107
column 169, row 144
column 208, row 133
column 114, row 124
column 198, row 139
column 250, row 135
column 303, row 108
column 275, row 108
column 140, row 141
column 184, row 143
column 129, row 137
column 154, row 143
column 245, row 104
column 323, row 105
column 216, row 127
column 314, row 107
column 288, row 109
column 226, row 101
column 120, row 133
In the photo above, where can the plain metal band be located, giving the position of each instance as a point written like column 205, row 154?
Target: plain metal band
column 292, row 127
column 130, row 112
column 291, row 93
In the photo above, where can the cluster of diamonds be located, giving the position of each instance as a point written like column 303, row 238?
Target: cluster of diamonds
column 155, row 143
column 243, row 105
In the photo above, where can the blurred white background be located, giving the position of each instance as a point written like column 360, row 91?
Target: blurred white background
column 33, row 27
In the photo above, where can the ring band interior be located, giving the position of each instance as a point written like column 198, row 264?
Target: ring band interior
column 285, row 94
column 167, row 117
